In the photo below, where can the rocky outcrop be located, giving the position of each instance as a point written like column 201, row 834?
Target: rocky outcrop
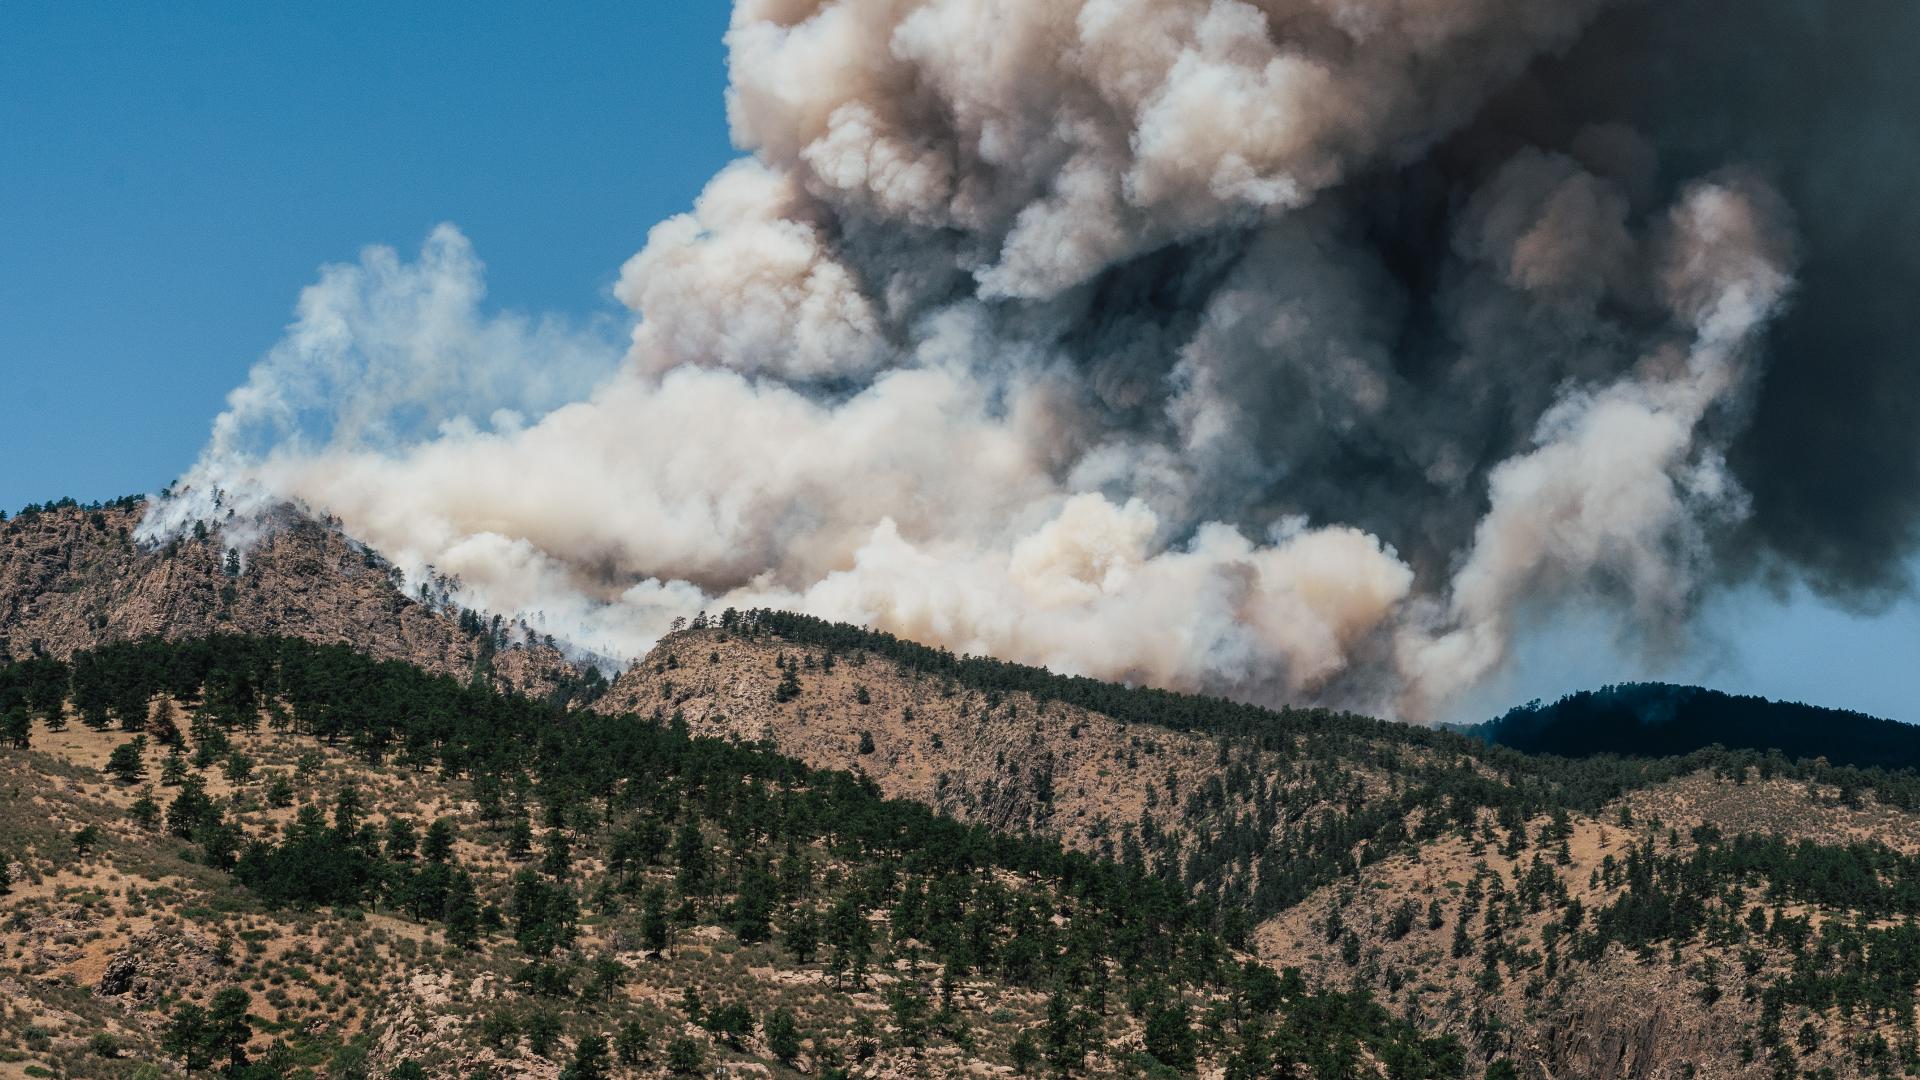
column 159, row 962
column 1632, row 1020
column 74, row 578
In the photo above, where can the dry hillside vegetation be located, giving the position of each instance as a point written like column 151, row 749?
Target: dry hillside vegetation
column 1709, row 991
column 1475, row 934
column 1005, row 760
column 287, row 890
column 103, row 942
column 777, row 845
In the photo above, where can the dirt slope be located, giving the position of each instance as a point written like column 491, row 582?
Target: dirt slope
column 1003, row 760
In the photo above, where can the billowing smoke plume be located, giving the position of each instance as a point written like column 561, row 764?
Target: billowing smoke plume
column 1281, row 348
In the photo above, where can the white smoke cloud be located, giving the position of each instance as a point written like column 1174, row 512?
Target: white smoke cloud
column 1051, row 331
column 747, row 282
column 381, row 354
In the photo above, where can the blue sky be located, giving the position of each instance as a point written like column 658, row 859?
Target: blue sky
column 171, row 175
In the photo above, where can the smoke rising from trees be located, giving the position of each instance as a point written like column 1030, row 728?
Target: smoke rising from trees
column 1289, row 348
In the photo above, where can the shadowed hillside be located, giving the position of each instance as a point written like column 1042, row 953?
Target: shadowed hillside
column 1661, row 720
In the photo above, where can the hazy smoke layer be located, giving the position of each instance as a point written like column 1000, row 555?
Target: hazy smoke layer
column 1284, row 348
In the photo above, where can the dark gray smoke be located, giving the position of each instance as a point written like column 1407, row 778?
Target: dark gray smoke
column 1274, row 347
column 1822, row 98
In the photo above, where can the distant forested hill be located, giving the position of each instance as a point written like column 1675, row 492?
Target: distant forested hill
column 1661, row 719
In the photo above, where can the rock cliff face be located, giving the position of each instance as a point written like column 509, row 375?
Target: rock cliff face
column 73, row 578
column 1632, row 1020
column 158, row 963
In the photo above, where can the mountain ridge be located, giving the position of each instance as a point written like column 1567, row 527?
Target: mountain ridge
column 1665, row 719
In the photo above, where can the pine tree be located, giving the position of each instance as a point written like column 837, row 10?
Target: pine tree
column 1400, row 924
column 1462, row 944
column 630, row 1045
column 655, row 928
column 145, row 812
column 850, row 939
column 462, row 912
column 520, row 839
column 230, row 1025
column 127, row 763
column 544, row 914
column 589, row 1060
column 684, row 1056
column 783, row 1035
column 753, row 907
column 1067, row 1032
column 543, row 1031
column 16, row 727
column 185, row 1037
column 802, row 934
column 437, row 846
column 789, row 687
column 1024, row 1052
column 559, row 854
column 1169, row 1035
column 690, row 854
column 164, row 725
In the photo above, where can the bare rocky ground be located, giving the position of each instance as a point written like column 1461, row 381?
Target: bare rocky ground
column 917, row 738
column 74, row 578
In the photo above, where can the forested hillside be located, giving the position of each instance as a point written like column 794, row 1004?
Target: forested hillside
column 1274, row 819
column 273, row 841
column 806, row 848
column 1659, row 719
